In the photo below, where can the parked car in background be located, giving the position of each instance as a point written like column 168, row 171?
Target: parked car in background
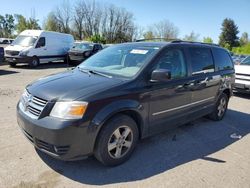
column 82, row 50
column 6, row 41
column 122, row 94
column 1, row 54
column 37, row 46
column 242, row 76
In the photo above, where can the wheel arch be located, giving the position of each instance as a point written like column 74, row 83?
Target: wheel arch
column 126, row 107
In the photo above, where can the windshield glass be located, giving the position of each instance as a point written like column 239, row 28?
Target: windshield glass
column 246, row 61
column 25, row 40
column 121, row 60
column 83, row 46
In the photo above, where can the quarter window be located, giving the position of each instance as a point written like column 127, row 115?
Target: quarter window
column 222, row 59
column 201, row 60
column 174, row 61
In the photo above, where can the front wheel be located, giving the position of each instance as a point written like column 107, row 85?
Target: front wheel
column 220, row 108
column 34, row 62
column 116, row 140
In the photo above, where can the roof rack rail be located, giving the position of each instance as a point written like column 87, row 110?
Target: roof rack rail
column 160, row 39
column 179, row 41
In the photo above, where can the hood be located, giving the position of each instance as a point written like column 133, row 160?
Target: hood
column 242, row 69
column 70, row 85
column 17, row 48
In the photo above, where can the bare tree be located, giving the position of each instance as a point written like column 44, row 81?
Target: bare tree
column 118, row 25
column 166, row 29
column 87, row 18
column 63, row 16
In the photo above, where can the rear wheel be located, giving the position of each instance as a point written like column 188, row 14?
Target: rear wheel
column 34, row 62
column 220, row 108
column 116, row 140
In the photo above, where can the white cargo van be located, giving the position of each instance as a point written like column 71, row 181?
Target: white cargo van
column 38, row 46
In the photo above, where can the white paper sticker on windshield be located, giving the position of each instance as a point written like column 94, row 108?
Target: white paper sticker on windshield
column 136, row 51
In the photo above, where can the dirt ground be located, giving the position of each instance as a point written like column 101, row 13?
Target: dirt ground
column 203, row 154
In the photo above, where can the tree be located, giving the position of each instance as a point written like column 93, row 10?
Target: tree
column 7, row 25
column 63, row 16
column 148, row 35
column 192, row 37
column 98, row 39
column 118, row 25
column 166, row 29
column 207, row 40
column 23, row 23
column 51, row 23
column 228, row 36
column 87, row 18
column 244, row 39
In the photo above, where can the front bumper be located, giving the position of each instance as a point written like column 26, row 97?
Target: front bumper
column 242, row 86
column 78, row 58
column 18, row 59
column 61, row 139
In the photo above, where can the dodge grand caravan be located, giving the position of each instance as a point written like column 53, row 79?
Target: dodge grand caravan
column 122, row 94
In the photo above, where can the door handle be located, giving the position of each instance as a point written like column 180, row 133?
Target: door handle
column 45, row 49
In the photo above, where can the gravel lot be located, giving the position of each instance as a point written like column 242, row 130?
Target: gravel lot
column 203, row 153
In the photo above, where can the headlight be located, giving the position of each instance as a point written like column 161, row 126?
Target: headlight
column 24, row 53
column 69, row 110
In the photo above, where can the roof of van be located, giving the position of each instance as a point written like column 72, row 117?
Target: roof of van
column 177, row 42
column 39, row 32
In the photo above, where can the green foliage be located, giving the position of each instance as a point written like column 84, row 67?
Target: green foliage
column 98, row 39
column 207, row 40
column 7, row 25
column 23, row 23
column 148, row 35
column 245, row 50
column 51, row 23
column 229, row 34
column 244, row 39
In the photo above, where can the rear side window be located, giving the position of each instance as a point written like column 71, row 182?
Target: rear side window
column 222, row 59
column 201, row 60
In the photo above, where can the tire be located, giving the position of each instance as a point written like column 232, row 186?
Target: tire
column 12, row 64
column 34, row 62
column 68, row 61
column 220, row 108
column 120, row 134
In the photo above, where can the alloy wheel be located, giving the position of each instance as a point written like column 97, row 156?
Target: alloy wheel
column 120, row 142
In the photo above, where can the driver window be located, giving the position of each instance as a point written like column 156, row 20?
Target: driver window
column 174, row 61
column 41, row 42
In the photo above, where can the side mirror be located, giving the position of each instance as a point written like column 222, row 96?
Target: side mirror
column 160, row 75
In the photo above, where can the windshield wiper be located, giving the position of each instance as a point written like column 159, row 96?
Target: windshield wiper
column 84, row 70
column 89, row 72
column 99, row 73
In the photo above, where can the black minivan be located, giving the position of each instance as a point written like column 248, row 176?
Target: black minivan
column 122, row 94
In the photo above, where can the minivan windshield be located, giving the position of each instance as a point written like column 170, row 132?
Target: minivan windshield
column 246, row 61
column 120, row 60
column 25, row 41
column 83, row 46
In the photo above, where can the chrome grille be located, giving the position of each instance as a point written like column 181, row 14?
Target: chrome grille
column 12, row 53
column 31, row 105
